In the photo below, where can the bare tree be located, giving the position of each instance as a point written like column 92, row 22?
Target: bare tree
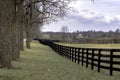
column 48, row 11
column 65, row 35
column 64, row 29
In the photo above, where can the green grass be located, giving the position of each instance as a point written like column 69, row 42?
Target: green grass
column 111, row 46
column 41, row 63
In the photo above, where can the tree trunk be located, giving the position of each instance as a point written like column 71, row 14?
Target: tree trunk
column 21, row 43
column 6, row 19
column 20, row 29
column 15, row 33
column 20, row 16
column 28, row 37
column 28, row 32
column 28, row 18
column 28, row 43
column 13, row 41
column 17, row 55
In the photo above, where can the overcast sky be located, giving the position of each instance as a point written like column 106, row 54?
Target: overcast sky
column 102, row 15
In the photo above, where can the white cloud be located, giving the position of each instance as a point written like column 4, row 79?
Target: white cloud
column 94, row 16
column 101, row 15
column 118, row 17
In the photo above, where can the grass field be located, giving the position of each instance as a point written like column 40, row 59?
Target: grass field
column 41, row 63
column 111, row 46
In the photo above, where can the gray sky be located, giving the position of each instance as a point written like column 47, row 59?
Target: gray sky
column 102, row 15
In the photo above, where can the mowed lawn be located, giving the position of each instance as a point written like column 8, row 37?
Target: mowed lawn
column 42, row 63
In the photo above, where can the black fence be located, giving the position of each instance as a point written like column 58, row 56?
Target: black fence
column 100, row 58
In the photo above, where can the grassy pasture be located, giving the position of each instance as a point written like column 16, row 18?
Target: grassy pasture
column 42, row 63
column 109, row 46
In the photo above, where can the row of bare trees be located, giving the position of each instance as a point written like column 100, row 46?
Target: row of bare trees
column 24, row 16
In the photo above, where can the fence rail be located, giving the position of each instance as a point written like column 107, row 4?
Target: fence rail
column 100, row 58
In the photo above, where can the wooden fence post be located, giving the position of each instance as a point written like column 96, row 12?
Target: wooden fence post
column 65, row 51
column 54, row 47
column 78, row 55
column 62, row 50
column 87, row 58
column 99, row 58
column 68, row 52
column 75, row 54
column 111, row 62
column 72, row 54
column 92, row 63
column 58, row 49
column 82, row 57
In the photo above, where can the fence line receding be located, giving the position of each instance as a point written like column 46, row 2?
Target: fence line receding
column 100, row 58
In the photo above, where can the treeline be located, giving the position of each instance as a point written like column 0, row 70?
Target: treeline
column 100, row 34
column 19, row 17
column 85, row 36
